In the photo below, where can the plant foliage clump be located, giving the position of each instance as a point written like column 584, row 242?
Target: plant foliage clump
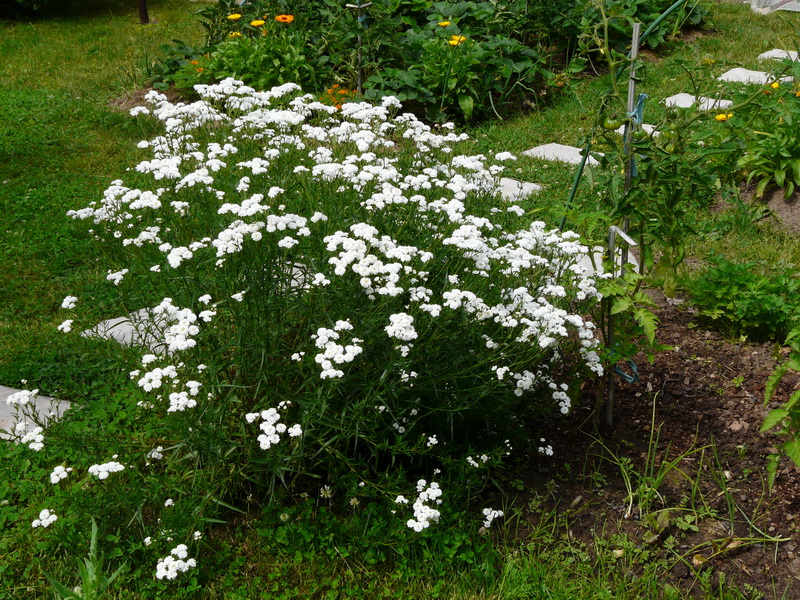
column 336, row 301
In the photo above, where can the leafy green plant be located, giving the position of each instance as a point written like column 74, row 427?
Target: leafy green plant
column 736, row 300
column 94, row 583
column 786, row 419
column 771, row 157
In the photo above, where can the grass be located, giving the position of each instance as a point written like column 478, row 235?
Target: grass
column 60, row 145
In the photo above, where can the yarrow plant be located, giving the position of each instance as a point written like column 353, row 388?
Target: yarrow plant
column 330, row 292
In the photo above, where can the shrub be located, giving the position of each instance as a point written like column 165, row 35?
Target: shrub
column 340, row 303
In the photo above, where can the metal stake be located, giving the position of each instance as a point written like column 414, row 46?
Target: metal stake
column 361, row 19
column 609, row 409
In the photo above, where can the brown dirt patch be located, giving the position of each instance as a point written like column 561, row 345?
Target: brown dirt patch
column 706, row 391
column 135, row 98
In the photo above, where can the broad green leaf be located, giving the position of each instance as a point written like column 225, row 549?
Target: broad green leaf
column 762, row 185
column 467, row 105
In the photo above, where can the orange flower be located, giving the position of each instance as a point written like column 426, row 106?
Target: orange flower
column 284, row 18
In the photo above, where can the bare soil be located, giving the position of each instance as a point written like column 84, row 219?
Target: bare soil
column 708, row 395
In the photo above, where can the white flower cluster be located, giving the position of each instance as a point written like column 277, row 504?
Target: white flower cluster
column 271, row 427
column 59, row 473
column 545, row 448
column 69, row 302
column 34, row 438
column 46, row 518
column 490, row 515
column 423, row 513
column 22, row 397
column 174, row 563
column 102, row 471
column 474, row 463
column 181, row 325
column 334, row 353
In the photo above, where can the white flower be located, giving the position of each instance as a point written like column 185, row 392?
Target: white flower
column 491, row 515
column 59, row 473
column 69, row 302
column 46, row 518
column 102, row 471
column 175, row 563
column 66, row 326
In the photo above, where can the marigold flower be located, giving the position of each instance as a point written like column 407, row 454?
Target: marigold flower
column 234, row 34
column 257, row 23
column 775, row 85
column 455, row 40
column 721, row 117
column 234, row 17
column 284, row 18
column 444, row 23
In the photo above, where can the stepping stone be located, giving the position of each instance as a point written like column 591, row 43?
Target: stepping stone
column 560, row 153
column 650, row 129
column 684, row 100
column 777, row 54
column 42, row 407
column 139, row 329
column 511, row 189
column 748, row 76
column 765, row 7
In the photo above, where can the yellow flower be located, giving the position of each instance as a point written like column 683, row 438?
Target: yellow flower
column 775, row 85
column 234, row 34
column 257, row 23
column 234, row 17
column 444, row 23
column 721, row 117
column 455, row 40
column 797, row 94
column 284, row 18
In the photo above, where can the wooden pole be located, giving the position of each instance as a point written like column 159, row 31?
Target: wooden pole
column 143, row 16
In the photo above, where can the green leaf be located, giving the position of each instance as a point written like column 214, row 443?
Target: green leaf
column 772, row 469
column 773, row 418
column 467, row 104
column 621, row 305
column 792, row 450
column 762, row 185
column 648, row 321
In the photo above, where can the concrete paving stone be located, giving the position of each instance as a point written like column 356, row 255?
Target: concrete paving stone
column 560, row 153
column 748, row 76
column 511, row 189
column 684, row 100
column 778, row 54
column 138, row 329
column 42, row 409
